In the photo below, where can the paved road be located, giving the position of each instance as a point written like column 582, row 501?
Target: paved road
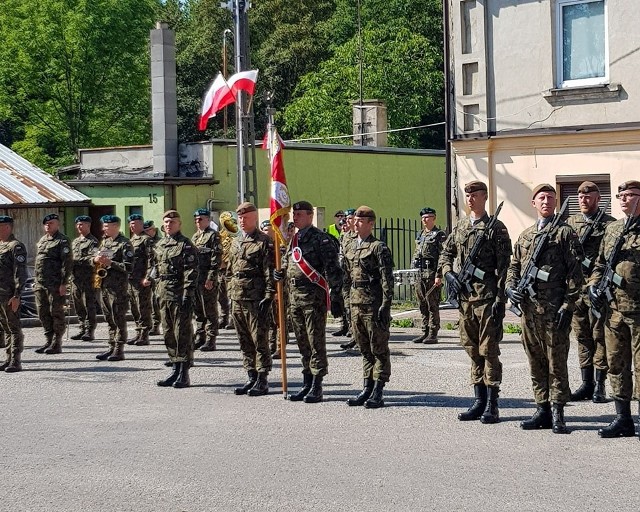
column 84, row 435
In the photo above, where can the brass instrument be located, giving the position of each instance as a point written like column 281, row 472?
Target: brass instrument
column 100, row 271
column 228, row 231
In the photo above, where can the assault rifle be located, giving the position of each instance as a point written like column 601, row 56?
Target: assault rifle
column 531, row 272
column 587, row 262
column 469, row 270
column 609, row 276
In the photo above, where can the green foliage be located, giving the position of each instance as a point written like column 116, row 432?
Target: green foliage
column 451, row 326
column 74, row 73
column 512, row 329
column 402, row 322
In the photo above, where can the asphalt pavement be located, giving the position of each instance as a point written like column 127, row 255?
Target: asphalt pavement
column 84, row 435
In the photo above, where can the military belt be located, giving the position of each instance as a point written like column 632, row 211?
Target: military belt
column 168, row 277
column 300, row 281
column 363, row 284
column 552, row 284
column 244, row 275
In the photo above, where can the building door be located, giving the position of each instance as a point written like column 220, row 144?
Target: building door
column 95, row 212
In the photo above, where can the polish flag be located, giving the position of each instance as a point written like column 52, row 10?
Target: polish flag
column 280, row 201
column 224, row 92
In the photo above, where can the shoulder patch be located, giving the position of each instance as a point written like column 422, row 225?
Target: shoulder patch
column 21, row 259
column 129, row 254
column 65, row 250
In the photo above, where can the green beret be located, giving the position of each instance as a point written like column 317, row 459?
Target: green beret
column 51, row 216
column 629, row 185
column 350, row 211
column 365, row 211
column 264, row 224
column 427, row 211
column 202, row 212
column 148, row 224
column 110, row 219
column 246, row 207
column 134, row 216
column 474, row 186
column 338, row 213
column 302, row 205
column 5, row 219
column 82, row 218
column 543, row 187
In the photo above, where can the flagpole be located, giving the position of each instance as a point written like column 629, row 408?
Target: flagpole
column 282, row 321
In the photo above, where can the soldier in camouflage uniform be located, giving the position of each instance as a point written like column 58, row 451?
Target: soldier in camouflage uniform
column 546, row 318
column 114, row 260
column 425, row 259
column 588, row 329
column 274, row 340
column 312, row 270
column 208, row 244
column 251, row 291
column 82, row 292
column 368, row 281
column 175, row 269
column 154, row 233
column 13, row 276
column 140, row 293
column 622, row 324
column 482, row 310
column 53, row 266
column 347, row 236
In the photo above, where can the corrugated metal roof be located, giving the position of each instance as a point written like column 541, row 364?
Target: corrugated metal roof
column 23, row 183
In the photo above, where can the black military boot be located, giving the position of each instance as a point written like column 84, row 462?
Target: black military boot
column 421, row 338
column 199, row 341
column 118, row 353
column 540, row 419
column 224, row 320
column 253, row 376
column 342, row 331
column 80, row 334
column 585, row 391
column 557, row 420
column 376, row 400
column 173, row 376
column 432, row 339
column 105, row 355
column 261, row 387
column 348, row 345
column 155, row 330
column 478, row 406
column 209, row 345
column 15, row 364
column 307, row 380
column 491, row 414
column 55, row 347
column 364, row 394
column 89, row 334
column 622, row 425
column 134, row 340
column 600, row 391
column 182, row 381
column 4, row 365
column 315, row 394
column 40, row 350
column 143, row 340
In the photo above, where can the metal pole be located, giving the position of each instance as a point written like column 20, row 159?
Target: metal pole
column 224, row 74
column 240, row 135
column 363, row 141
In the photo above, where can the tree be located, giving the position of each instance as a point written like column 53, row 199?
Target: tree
column 74, row 73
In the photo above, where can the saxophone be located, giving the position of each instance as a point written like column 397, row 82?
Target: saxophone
column 228, row 231
column 100, row 271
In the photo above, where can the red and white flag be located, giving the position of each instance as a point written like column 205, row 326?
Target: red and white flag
column 224, row 92
column 280, row 200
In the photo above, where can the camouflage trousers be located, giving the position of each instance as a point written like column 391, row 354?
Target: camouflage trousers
column 177, row 327
column 547, row 349
column 141, row 304
column 589, row 333
column 309, row 323
column 115, row 303
column 51, row 311
column 429, row 304
column 252, row 329
column 156, row 315
column 206, row 311
column 84, row 300
column 11, row 328
column 223, row 298
column 622, row 336
column 480, row 337
column 373, row 342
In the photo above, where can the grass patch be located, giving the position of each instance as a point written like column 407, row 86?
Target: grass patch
column 402, row 322
column 512, row 329
column 451, row 327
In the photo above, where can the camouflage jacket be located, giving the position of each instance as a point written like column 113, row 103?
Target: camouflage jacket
column 209, row 245
column 493, row 257
column 13, row 267
column 368, row 273
column 427, row 251
column 561, row 259
column 142, row 256
column 591, row 246
column 627, row 265
column 250, row 267
column 54, row 261
column 174, row 267
column 83, row 249
column 121, row 261
column 320, row 250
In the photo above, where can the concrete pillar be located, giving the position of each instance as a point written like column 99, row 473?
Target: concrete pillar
column 369, row 118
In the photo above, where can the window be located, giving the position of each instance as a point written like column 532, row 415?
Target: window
column 582, row 49
column 569, row 187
